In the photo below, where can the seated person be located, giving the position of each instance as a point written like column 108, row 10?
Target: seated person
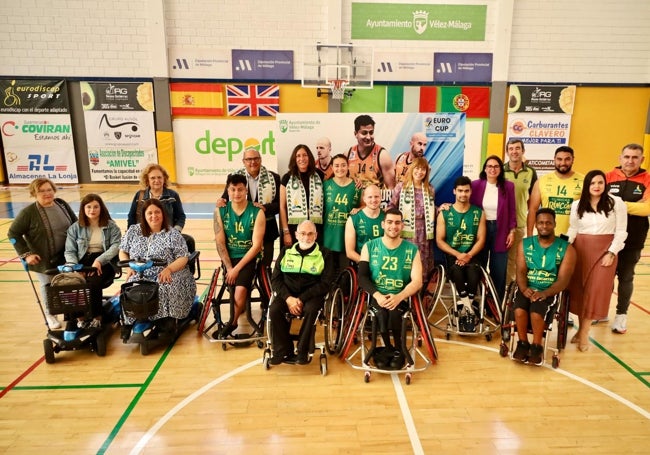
column 460, row 234
column 544, row 267
column 365, row 224
column 239, row 233
column 93, row 241
column 390, row 270
column 302, row 276
column 154, row 238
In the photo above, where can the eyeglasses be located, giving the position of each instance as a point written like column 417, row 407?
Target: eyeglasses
column 489, row 166
column 252, row 160
column 307, row 234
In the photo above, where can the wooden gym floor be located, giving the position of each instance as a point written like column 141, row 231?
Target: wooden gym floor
column 193, row 397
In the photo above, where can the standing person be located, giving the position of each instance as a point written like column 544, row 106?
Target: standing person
column 370, row 162
column 390, row 271
column 403, row 161
column 364, row 225
column 94, row 241
column 460, row 234
column 324, row 155
column 632, row 184
column 545, row 264
column 154, row 180
column 598, row 229
column 38, row 234
column 264, row 192
column 556, row 190
column 523, row 177
column 496, row 196
column 341, row 196
column 301, row 194
column 239, row 235
column 303, row 274
column 415, row 198
column 153, row 237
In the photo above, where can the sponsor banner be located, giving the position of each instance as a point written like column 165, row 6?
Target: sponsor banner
column 549, row 99
column 393, row 131
column 541, row 135
column 36, row 131
column 208, row 150
column 262, row 65
column 418, row 21
column 120, row 130
column 189, row 98
column 403, row 66
column 192, row 63
column 462, row 67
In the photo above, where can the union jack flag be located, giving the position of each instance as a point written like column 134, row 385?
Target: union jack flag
column 253, row 100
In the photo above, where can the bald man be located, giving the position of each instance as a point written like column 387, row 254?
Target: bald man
column 403, row 162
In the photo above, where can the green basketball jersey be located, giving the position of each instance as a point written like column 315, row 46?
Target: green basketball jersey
column 238, row 229
column 390, row 269
column 339, row 200
column 543, row 263
column 461, row 228
column 367, row 228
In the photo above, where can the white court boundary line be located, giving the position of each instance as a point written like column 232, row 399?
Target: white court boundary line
column 399, row 391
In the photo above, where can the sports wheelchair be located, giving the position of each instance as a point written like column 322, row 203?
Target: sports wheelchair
column 260, row 292
column 558, row 318
column 339, row 311
column 443, row 309
column 364, row 331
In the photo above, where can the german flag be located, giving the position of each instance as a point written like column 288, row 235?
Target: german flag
column 189, row 98
column 474, row 101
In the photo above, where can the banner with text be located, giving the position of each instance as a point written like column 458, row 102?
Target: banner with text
column 120, row 129
column 208, row 150
column 36, row 131
column 199, row 63
column 418, row 21
column 404, row 66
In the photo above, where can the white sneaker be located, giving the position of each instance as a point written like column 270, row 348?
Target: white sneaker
column 53, row 321
column 620, row 324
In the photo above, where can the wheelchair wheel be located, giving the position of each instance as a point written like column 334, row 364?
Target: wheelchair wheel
column 433, row 290
column 264, row 283
column 423, row 326
column 352, row 323
column 100, row 345
column 347, row 282
column 48, row 348
column 334, row 312
column 507, row 315
column 207, row 301
column 491, row 298
column 563, row 320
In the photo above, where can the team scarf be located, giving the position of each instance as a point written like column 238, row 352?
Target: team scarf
column 407, row 207
column 265, row 185
column 297, row 200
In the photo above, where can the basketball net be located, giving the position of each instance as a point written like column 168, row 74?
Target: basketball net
column 337, row 87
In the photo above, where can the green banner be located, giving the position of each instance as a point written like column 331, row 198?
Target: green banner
column 416, row 21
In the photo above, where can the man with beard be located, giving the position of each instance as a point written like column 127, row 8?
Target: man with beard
column 324, row 157
column 632, row 184
column 370, row 162
column 403, row 162
column 364, row 225
column 302, row 277
column 544, row 267
column 556, row 190
column 390, row 270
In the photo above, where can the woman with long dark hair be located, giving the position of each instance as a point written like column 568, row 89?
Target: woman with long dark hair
column 597, row 229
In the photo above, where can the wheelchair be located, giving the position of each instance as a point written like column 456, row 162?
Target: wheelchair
column 415, row 334
column 339, row 310
column 444, row 310
column 268, row 352
column 558, row 319
column 259, row 293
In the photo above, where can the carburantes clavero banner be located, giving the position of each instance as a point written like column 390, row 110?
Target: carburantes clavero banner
column 418, row 21
column 36, row 131
column 119, row 129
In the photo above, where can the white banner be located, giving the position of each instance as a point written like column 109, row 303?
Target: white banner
column 38, row 145
column 193, row 63
column 541, row 135
column 404, row 66
column 208, row 150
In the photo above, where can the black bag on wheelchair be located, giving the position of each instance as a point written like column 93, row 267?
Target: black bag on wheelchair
column 139, row 299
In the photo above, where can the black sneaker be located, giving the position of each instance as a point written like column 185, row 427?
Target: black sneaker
column 397, row 362
column 521, row 353
column 224, row 332
column 536, row 356
column 302, row 359
column 125, row 332
column 276, row 359
column 291, row 359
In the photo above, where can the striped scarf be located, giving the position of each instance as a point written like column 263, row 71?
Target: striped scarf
column 297, row 200
column 407, row 207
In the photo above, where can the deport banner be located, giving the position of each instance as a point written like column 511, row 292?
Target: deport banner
column 36, row 131
column 120, row 129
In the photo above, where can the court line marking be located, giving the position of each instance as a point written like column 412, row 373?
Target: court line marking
column 407, row 416
column 21, row 377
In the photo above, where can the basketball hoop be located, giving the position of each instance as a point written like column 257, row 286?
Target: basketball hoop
column 337, row 88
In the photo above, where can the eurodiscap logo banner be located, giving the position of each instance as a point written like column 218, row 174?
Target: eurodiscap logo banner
column 36, row 131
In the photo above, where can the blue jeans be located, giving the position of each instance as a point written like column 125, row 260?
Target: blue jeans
column 497, row 262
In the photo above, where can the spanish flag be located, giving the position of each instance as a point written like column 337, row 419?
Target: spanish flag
column 474, row 101
column 189, row 98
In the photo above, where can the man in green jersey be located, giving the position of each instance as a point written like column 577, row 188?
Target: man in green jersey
column 239, row 234
column 460, row 234
column 544, row 267
column 365, row 224
column 390, row 270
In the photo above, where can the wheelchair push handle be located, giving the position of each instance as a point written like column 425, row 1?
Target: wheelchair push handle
column 70, row 267
column 140, row 264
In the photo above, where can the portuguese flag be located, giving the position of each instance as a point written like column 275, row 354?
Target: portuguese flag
column 188, row 98
column 474, row 101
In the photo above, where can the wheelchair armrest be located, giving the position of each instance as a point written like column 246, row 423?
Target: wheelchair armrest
column 193, row 258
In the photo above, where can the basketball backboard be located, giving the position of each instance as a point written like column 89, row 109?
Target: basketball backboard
column 325, row 63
